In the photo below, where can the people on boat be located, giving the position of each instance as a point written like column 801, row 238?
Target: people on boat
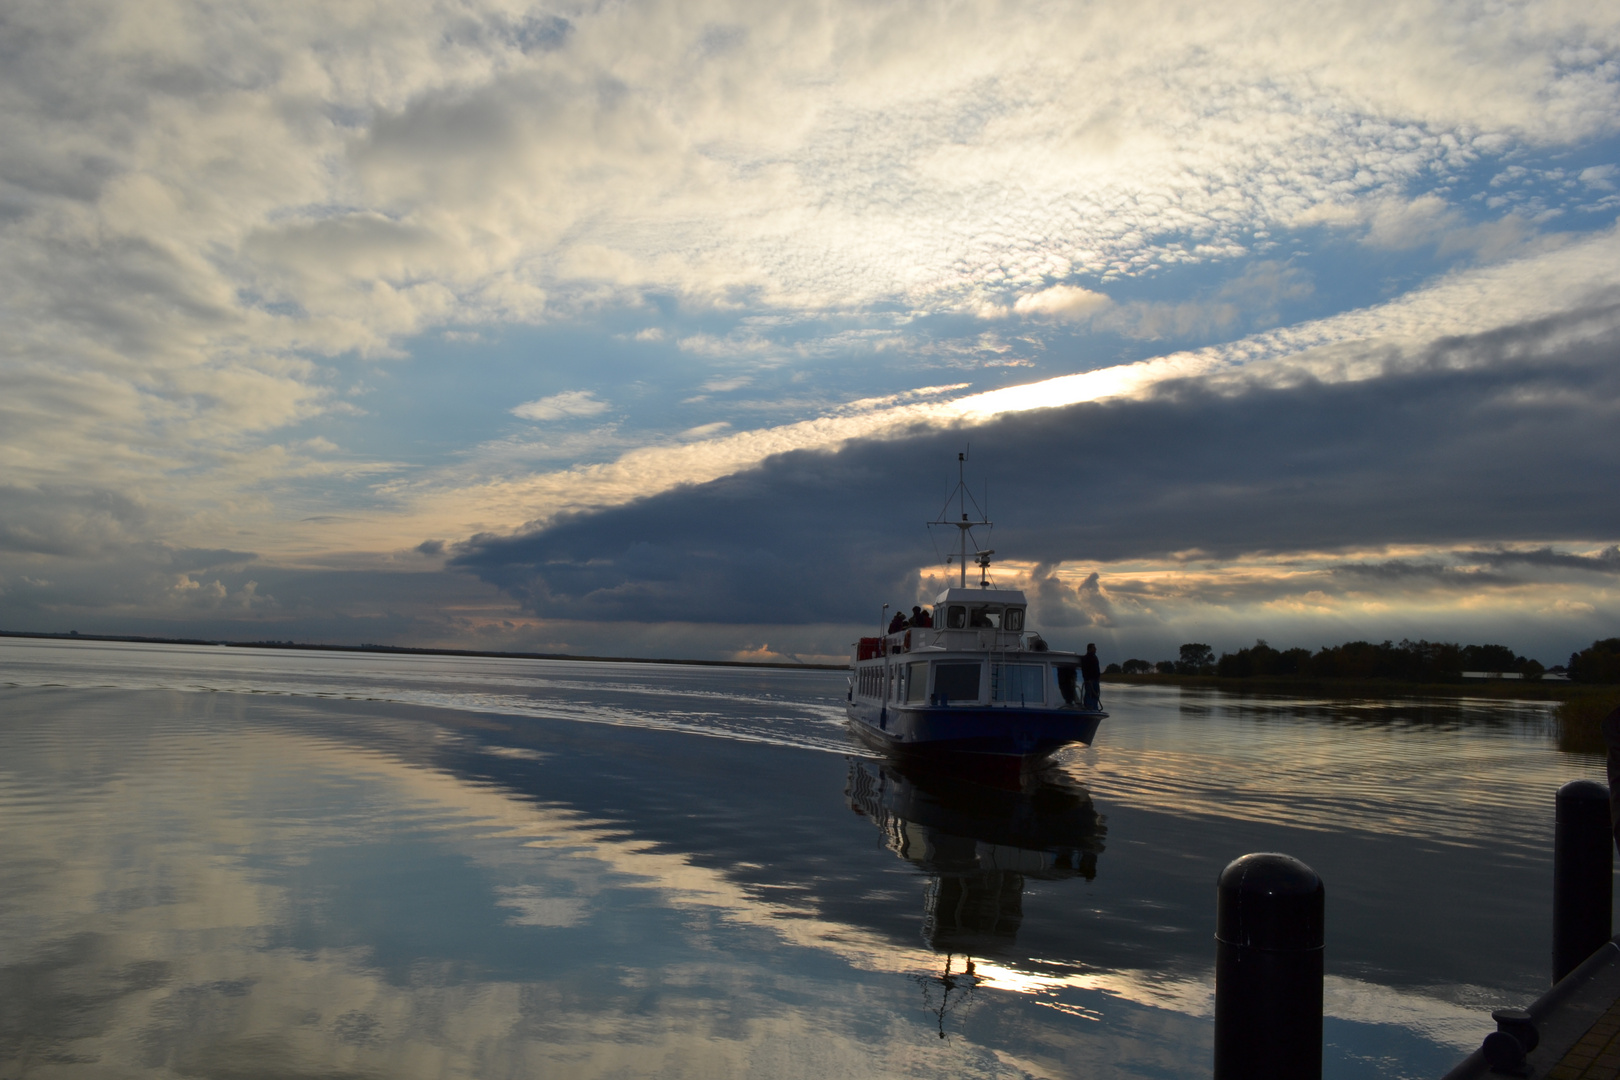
column 1091, row 673
column 898, row 623
column 921, row 618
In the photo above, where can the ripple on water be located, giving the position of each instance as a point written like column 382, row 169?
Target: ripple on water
column 1459, row 774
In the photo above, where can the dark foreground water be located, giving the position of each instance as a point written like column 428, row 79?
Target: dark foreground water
column 232, row 863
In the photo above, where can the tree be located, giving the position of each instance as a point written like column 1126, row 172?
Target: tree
column 1598, row 664
column 1112, row 669
column 1137, row 667
column 1165, row 667
column 1194, row 658
column 1295, row 661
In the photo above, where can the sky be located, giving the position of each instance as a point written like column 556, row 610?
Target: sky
column 655, row 329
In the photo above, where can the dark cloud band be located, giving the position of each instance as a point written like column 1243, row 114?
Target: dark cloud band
column 1507, row 448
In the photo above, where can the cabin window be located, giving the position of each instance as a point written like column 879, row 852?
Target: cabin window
column 984, row 617
column 917, row 680
column 957, row 681
column 1015, row 618
column 956, row 617
column 872, row 682
column 1017, row 683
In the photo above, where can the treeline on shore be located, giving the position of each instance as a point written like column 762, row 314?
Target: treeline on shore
column 1406, row 661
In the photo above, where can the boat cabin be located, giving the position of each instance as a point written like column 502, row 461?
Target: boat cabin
column 980, row 609
column 976, row 652
column 970, row 678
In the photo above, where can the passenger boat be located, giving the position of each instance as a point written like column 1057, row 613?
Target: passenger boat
column 976, row 682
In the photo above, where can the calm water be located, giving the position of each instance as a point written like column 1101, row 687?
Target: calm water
column 223, row 862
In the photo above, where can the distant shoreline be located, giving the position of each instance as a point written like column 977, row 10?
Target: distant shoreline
column 409, row 650
column 1517, row 689
column 1514, row 689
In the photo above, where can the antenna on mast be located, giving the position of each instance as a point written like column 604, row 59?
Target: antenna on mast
column 966, row 525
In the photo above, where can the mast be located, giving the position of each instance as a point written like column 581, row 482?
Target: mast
column 965, row 525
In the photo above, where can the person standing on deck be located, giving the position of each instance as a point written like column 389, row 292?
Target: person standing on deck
column 1091, row 674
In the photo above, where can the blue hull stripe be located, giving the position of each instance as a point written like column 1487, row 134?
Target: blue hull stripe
column 965, row 729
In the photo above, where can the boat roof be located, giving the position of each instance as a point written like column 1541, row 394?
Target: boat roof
column 957, row 595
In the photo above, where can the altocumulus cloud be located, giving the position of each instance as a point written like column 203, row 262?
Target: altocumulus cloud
column 559, row 406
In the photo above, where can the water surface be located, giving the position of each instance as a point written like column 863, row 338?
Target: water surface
column 232, row 862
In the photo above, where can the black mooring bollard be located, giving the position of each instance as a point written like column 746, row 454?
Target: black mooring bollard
column 1583, row 874
column 1268, row 970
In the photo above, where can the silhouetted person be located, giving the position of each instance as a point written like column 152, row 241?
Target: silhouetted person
column 920, row 618
column 897, row 624
column 1611, row 738
column 1091, row 672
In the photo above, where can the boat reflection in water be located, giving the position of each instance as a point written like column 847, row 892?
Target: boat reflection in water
column 978, row 843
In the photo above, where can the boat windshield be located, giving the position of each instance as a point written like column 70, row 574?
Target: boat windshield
column 984, row 616
column 957, row 681
column 1022, row 683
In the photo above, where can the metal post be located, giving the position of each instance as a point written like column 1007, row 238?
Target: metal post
column 1583, row 874
column 1268, row 970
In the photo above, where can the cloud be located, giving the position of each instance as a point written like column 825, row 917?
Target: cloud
column 1418, row 331
column 1067, row 302
column 1604, row 562
column 704, row 431
column 1254, row 297
column 217, row 208
column 59, row 520
column 193, row 560
column 1054, row 603
column 217, row 230
column 569, row 403
column 1414, row 457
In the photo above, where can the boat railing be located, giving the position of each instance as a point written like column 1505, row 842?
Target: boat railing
column 968, row 640
column 914, row 639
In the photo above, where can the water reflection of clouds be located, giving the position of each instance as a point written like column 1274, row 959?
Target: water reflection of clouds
column 208, row 884
column 222, row 997
column 535, row 906
column 254, row 825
